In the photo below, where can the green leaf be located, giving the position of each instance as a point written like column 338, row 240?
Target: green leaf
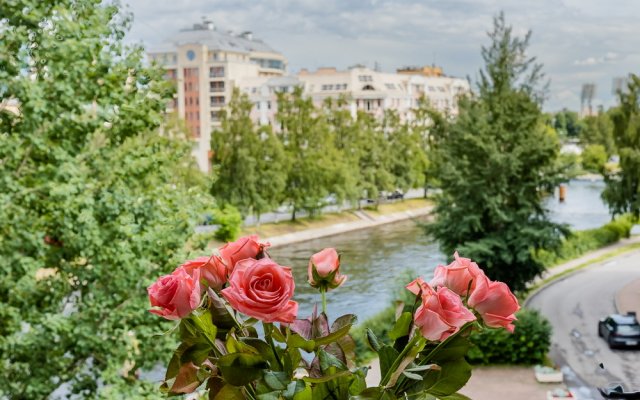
column 373, row 341
column 229, row 392
column 295, row 340
column 455, row 396
column 276, row 380
column 328, row 360
column 204, row 324
column 240, row 369
column 411, row 375
column 343, row 324
column 401, row 328
column 386, row 356
column 196, row 353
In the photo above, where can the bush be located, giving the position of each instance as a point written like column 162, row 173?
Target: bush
column 527, row 345
column 594, row 157
column 229, row 221
column 581, row 242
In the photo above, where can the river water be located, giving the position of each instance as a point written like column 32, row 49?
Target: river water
column 378, row 260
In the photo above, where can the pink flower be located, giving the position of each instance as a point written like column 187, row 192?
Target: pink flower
column 495, row 303
column 324, row 269
column 245, row 247
column 177, row 294
column 458, row 276
column 441, row 313
column 212, row 270
column 262, row 289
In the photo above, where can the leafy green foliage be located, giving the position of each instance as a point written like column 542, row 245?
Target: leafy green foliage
column 622, row 193
column 598, row 130
column 316, row 167
column 493, row 165
column 567, row 123
column 594, row 157
column 229, row 221
column 580, row 242
column 93, row 204
column 527, row 345
column 249, row 162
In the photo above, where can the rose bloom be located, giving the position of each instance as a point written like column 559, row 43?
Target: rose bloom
column 245, row 247
column 441, row 313
column 212, row 270
column 326, row 265
column 495, row 303
column 262, row 289
column 458, row 276
column 176, row 295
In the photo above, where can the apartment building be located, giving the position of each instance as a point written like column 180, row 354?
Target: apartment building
column 366, row 90
column 206, row 64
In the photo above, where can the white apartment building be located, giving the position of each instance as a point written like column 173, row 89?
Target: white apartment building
column 206, row 64
column 366, row 90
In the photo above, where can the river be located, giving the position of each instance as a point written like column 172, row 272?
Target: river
column 378, row 260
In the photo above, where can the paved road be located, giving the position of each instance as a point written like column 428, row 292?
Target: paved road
column 574, row 305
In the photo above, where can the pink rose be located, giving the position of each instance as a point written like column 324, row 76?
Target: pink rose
column 262, row 289
column 458, row 276
column 212, row 270
column 324, row 269
column 177, row 294
column 495, row 303
column 441, row 313
column 245, row 247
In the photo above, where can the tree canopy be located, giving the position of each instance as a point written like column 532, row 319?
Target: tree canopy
column 622, row 193
column 494, row 163
column 94, row 204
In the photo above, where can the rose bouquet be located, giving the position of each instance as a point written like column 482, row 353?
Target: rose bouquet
column 241, row 338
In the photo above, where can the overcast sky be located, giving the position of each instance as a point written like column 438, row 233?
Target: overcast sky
column 578, row 41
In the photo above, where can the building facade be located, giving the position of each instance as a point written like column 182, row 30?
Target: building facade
column 206, row 64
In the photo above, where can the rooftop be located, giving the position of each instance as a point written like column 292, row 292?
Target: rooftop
column 207, row 34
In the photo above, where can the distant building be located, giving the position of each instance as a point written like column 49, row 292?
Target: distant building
column 205, row 64
column 366, row 90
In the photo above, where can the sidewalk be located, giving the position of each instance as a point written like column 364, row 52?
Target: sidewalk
column 628, row 298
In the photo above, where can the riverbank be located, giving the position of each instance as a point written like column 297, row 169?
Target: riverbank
column 288, row 232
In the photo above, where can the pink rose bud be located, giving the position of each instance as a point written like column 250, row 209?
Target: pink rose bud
column 176, row 295
column 441, row 313
column 243, row 248
column 212, row 270
column 460, row 276
column 262, row 289
column 495, row 303
column 324, row 269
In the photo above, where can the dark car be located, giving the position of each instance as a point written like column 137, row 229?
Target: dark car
column 620, row 330
column 397, row 195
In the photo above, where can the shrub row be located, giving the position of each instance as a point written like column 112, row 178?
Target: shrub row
column 578, row 243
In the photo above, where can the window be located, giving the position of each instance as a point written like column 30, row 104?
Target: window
column 365, row 78
column 216, row 86
column 215, row 116
column 217, row 101
column 368, row 87
column 390, row 86
column 441, row 89
column 432, row 89
column 216, row 72
column 327, row 87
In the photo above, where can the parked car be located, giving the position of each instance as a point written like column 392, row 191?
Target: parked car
column 620, row 330
column 395, row 195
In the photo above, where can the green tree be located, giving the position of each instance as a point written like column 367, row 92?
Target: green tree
column 493, row 165
column 92, row 204
column 594, row 157
column 317, row 167
column 598, row 129
column 622, row 193
column 568, row 123
column 408, row 160
column 248, row 161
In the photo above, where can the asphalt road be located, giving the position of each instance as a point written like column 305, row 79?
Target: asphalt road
column 574, row 305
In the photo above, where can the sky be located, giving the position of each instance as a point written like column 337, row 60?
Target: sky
column 577, row 41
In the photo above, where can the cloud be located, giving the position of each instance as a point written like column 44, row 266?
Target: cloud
column 570, row 37
column 607, row 58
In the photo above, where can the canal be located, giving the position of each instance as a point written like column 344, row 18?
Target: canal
column 378, row 260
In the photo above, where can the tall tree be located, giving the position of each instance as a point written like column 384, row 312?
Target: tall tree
column 598, row 130
column 248, row 161
column 316, row 167
column 493, row 165
column 92, row 205
column 622, row 193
